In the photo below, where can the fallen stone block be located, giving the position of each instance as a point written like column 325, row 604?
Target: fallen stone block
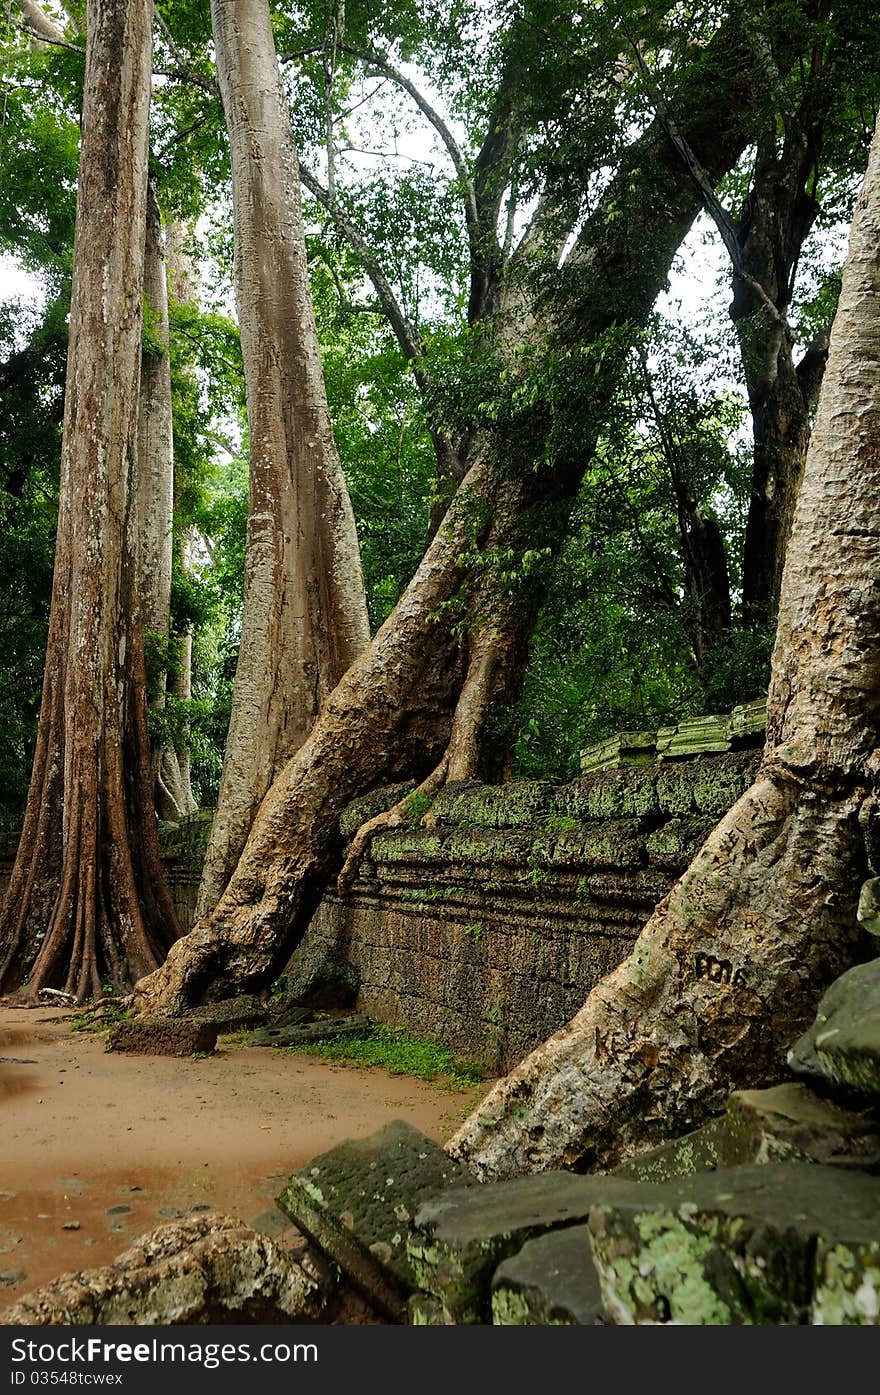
column 680, row 1157
column 789, row 1123
column 842, row 1047
column 744, row 1245
column 551, row 1282
column 461, row 1236
column 206, row 1269
column 230, row 1015
column 786, row 1123
column 162, row 1036
column 303, row 1033
column 356, row 1203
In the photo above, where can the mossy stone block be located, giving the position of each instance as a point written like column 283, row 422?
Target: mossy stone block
column 843, row 1045
column 550, row 1282
column 356, row 1202
column 737, row 1246
column 461, row 1236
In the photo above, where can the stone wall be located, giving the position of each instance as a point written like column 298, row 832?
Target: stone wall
column 487, row 930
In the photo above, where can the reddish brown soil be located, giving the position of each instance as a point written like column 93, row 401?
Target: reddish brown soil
column 116, row 1144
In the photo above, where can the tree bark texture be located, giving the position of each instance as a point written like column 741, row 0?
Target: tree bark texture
column 731, row 965
column 305, row 614
column 88, row 902
column 397, row 711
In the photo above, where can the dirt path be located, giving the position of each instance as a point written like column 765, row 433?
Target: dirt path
column 95, row 1149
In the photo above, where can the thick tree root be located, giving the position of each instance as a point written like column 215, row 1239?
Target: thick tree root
column 722, row 979
column 402, row 812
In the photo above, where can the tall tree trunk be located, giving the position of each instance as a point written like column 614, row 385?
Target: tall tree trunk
column 729, row 968
column 776, row 219
column 182, row 289
column 156, row 498
column 88, row 902
column 414, row 703
column 305, row 614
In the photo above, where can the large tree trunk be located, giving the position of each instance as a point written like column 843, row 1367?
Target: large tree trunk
column 731, row 965
column 305, row 615
column 156, row 499
column 414, row 701
column 88, row 902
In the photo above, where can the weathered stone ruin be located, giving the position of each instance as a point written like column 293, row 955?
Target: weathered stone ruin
column 487, row 929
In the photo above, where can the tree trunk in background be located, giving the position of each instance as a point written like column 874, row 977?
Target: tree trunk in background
column 414, row 704
column 305, row 613
column 88, row 902
column 731, row 965
column 182, row 284
column 774, row 224
column 155, row 483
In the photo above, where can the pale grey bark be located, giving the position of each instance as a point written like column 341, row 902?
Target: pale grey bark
column 732, row 963
column 305, row 615
column 156, row 497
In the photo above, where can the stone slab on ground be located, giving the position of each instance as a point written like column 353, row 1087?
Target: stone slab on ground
column 786, row 1123
column 303, row 1033
column 206, row 1269
column 551, row 1282
column 230, row 1015
column 357, row 1201
column 462, row 1236
column 162, row 1036
column 842, row 1048
column 749, row 1245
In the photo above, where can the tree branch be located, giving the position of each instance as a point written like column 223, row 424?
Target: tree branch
column 716, row 210
column 42, row 38
column 406, row 333
column 185, row 67
column 383, row 65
